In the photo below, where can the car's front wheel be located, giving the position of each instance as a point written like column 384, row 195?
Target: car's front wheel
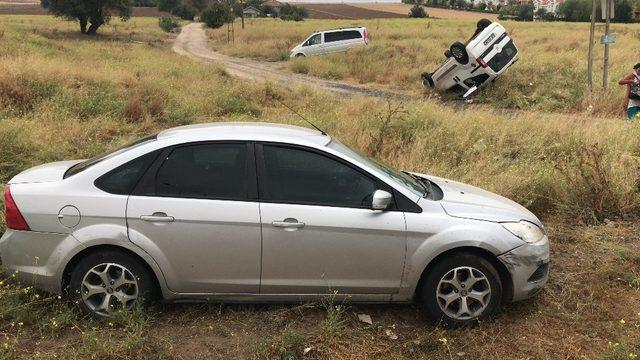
column 109, row 281
column 461, row 289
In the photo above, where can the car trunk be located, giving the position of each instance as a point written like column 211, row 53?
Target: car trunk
column 44, row 173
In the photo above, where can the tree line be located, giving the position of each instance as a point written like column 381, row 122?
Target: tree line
column 568, row 10
column 91, row 14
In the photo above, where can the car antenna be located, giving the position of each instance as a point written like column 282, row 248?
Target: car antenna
column 302, row 117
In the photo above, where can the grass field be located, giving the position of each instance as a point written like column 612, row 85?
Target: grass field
column 65, row 96
column 550, row 76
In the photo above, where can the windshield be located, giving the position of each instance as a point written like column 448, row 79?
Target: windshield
column 81, row 166
column 403, row 178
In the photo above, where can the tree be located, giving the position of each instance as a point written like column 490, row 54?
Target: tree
column 525, row 11
column 93, row 12
column 417, row 11
column 168, row 5
column 623, row 11
column 575, row 10
column 217, row 14
column 184, row 11
column 291, row 12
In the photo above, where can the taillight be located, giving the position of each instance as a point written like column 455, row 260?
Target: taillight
column 365, row 36
column 14, row 218
column 481, row 62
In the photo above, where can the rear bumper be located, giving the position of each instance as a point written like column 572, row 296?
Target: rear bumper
column 36, row 258
column 529, row 268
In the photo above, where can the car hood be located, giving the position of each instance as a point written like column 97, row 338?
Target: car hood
column 44, row 173
column 466, row 201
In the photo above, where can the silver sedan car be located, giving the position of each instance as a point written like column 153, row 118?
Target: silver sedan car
column 266, row 213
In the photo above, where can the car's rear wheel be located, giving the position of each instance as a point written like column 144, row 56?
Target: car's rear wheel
column 300, row 55
column 459, row 52
column 105, row 282
column 461, row 289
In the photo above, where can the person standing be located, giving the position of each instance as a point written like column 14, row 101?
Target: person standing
column 632, row 98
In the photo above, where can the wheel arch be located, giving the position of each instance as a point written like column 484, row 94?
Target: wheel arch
column 73, row 262
column 503, row 272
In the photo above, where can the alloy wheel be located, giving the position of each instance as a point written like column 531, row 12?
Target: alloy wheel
column 108, row 287
column 463, row 293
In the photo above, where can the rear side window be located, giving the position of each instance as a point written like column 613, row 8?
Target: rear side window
column 293, row 175
column 342, row 35
column 208, row 171
column 124, row 178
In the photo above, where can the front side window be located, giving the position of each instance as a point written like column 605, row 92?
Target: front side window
column 314, row 40
column 208, row 171
column 293, row 175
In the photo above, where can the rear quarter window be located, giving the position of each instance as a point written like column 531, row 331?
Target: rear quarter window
column 123, row 179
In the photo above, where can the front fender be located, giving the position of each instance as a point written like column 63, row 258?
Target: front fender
column 425, row 242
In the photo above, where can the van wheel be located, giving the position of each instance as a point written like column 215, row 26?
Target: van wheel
column 427, row 79
column 109, row 281
column 299, row 55
column 482, row 24
column 459, row 52
column 460, row 290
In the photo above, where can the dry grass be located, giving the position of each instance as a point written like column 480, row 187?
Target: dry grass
column 73, row 97
column 550, row 76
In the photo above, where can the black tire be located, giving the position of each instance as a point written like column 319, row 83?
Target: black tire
column 299, row 55
column 430, row 300
column 147, row 290
column 427, row 79
column 482, row 24
column 459, row 52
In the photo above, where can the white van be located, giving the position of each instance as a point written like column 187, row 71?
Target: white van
column 470, row 66
column 337, row 40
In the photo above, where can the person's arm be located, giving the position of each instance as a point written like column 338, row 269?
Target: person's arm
column 627, row 80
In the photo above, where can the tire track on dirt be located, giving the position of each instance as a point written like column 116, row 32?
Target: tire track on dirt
column 192, row 41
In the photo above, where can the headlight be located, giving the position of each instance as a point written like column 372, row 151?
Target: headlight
column 525, row 230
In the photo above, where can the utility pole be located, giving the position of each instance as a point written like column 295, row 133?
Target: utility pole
column 605, row 69
column 592, row 31
column 242, row 13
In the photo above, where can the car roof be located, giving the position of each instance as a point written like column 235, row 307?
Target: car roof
column 256, row 131
column 343, row 29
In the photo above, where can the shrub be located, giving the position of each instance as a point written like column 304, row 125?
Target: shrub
column 168, row 24
column 417, row 11
column 291, row 12
column 216, row 15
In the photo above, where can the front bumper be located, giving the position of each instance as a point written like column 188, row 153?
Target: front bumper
column 528, row 265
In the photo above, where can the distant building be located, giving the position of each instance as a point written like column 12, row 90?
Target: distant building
column 550, row 5
column 251, row 12
column 274, row 7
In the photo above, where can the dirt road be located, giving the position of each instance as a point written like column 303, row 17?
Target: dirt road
column 192, row 41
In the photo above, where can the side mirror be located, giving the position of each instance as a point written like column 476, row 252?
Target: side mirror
column 381, row 200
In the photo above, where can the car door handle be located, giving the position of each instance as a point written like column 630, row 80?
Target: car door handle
column 288, row 223
column 157, row 217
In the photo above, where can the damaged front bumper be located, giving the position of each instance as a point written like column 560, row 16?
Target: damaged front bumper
column 529, row 268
